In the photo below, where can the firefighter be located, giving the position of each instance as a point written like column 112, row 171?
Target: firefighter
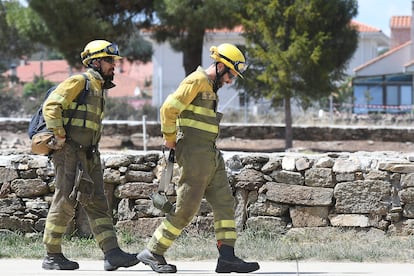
column 77, row 129
column 190, row 125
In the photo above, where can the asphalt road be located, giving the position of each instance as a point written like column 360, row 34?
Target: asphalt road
column 21, row 267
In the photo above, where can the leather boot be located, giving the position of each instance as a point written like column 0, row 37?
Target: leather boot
column 228, row 262
column 156, row 262
column 116, row 258
column 57, row 261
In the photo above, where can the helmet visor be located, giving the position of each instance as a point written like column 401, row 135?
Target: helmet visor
column 111, row 49
column 239, row 66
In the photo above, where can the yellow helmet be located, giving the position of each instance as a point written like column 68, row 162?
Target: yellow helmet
column 231, row 56
column 99, row 48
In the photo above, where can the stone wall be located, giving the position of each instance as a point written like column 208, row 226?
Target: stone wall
column 128, row 129
column 273, row 192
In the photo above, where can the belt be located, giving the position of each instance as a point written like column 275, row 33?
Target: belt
column 89, row 150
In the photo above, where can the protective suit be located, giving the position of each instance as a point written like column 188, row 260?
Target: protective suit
column 76, row 124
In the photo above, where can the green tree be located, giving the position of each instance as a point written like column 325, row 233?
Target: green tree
column 37, row 88
column 297, row 49
column 183, row 24
column 12, row 44
column 34, row 93
column 67, row 25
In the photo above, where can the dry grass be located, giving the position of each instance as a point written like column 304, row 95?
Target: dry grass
column 329, row 244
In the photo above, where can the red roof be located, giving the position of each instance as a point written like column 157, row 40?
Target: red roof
column 364, row 28
column 128, row 76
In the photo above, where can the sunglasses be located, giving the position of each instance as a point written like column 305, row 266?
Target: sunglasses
column 109, row 60
column 230, row 74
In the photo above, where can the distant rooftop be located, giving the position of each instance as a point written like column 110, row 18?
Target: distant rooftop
column 364, row 28
column 399, row 22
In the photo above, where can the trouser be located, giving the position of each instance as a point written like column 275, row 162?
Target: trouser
column 202, row 174
column 89, row 193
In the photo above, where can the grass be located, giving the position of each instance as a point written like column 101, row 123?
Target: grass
column 301, row 244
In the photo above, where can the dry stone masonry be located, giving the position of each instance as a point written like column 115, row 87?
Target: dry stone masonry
column 273, row 192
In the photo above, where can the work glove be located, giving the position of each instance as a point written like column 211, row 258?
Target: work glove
column 57, row 142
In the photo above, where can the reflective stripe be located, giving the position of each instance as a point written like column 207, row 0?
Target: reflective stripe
column 170, row 129
column 171, row 228
column 79, row 122
column 50, row 240
column 197, row 124
column 224, row 224
column 86, row 107
column 104, row 235
column 55, row 228
column 54, row 123
column 201, row 110
column 229, row 235
column 161, row 239
column 101, row 221
column 175, row 103
column 59, row 98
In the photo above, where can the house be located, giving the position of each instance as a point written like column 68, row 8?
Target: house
column 385, row 83
column 133, row 80
column 371, row 41
column 168, row 69
column 154, row 81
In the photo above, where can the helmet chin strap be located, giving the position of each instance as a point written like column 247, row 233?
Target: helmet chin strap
column 219, row 76
column 99, row 70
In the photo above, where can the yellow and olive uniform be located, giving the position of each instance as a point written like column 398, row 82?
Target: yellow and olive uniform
column 79, row 176
column 191, row 110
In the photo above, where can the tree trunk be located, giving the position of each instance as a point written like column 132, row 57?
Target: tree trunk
column 288, row 124
column 192, row 50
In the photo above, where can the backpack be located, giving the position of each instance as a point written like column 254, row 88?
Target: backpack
column 37, row 127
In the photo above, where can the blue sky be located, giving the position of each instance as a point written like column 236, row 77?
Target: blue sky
column 377, row 13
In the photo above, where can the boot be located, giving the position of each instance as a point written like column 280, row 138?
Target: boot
column 116, row 258
column 228, row 262
column 156, row 262
column 56, row 261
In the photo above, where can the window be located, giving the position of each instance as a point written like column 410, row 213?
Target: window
column 367, row 99
column 406, row 101
column 390, row 94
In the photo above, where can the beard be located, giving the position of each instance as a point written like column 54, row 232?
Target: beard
column 108, row 77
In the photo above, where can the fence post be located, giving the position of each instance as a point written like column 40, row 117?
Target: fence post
column 144, row 132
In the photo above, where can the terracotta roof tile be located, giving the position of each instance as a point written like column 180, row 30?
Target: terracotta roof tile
column 400, row 22
column 364, row 28
column 237, row 29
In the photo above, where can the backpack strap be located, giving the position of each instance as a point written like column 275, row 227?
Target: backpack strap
column 81, row 100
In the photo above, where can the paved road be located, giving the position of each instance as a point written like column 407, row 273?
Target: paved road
column 22, row 267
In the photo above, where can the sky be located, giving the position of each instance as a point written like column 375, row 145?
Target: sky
column 377, row 13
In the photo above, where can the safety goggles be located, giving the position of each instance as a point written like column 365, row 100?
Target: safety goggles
column 239, row 66
column 111, row 49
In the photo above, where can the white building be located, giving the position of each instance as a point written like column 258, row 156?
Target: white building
column 385, row 83
column 168, row 70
